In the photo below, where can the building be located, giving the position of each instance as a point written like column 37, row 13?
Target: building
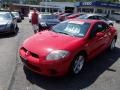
column 97, row 7
column 61, row 6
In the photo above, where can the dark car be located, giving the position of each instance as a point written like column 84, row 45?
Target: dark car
column 47, row 20
column 17, row 16
column 8, row 23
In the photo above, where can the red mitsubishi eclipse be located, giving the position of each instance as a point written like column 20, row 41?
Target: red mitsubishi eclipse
column 67, row 46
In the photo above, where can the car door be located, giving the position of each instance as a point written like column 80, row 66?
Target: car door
column 107, row 35
column 96, row 43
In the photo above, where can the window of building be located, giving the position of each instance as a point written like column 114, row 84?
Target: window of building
column 99, row 11
column 87, row 10
column 112, row 11
column 79, row 9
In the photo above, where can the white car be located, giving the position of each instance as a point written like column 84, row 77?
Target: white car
column 97, row 17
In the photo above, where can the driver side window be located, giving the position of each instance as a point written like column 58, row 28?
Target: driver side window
column 98, row 27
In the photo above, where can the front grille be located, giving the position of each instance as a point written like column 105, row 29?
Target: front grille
column 25, row 50
column 31, row 53
column 34, row 55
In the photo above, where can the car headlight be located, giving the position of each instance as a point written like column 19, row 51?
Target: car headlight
column 8, row 25
column 43, row 23
column 57, row 54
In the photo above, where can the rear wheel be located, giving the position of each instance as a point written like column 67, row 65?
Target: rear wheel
column 77, row 64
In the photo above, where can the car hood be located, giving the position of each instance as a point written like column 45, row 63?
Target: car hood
column 4, row 22
column 48, row 40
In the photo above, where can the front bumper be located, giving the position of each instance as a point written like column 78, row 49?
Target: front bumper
column 5, row 30
column 43, row 67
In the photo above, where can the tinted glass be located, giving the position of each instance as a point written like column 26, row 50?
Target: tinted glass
column 92, row 17
column 5, row 16
column 71, row 28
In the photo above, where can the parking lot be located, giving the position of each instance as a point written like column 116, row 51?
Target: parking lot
column 100, row 74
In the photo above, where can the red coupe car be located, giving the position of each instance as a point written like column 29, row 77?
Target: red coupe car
column 67, row 46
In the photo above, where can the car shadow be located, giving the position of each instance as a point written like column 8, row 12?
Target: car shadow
column 87, row 77
column 8, row 35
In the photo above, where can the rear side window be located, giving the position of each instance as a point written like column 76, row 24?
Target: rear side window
column 92, row 17
column 102, row 18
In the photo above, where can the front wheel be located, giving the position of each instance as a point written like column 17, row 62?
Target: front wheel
column 112, row 45
column 77, row 64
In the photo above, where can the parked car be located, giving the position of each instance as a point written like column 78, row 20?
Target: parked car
column 64, row 16
column 8, row 23
column 67, row 47
column 17, row 16
column 47, row 21
column 75, row 15
column 20, row 13
column 96, row 17
column 115, row 16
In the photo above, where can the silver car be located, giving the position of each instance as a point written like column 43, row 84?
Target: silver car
column 96, row 17
column 8, row 23
column 48, row 20
column 17, row 16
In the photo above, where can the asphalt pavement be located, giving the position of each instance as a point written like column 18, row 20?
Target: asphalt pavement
column 100, row 74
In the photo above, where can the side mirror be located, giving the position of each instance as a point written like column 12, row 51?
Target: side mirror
column 99, row 34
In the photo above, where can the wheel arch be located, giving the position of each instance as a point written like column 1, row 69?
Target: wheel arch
column 84, row 53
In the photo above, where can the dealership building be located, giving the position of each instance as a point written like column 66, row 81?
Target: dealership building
column 97, row 7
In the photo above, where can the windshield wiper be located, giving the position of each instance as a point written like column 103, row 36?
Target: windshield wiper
column 64, row 33
column 61, row 32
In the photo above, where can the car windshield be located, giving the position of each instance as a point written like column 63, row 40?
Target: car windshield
column 5, row 16
column 48, row 16
column 78, row 29
column 15, row 13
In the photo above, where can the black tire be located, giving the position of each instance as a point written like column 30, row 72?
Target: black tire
column 111, row 24
column 112, row 44
column 15, row 29
column 77, row 64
